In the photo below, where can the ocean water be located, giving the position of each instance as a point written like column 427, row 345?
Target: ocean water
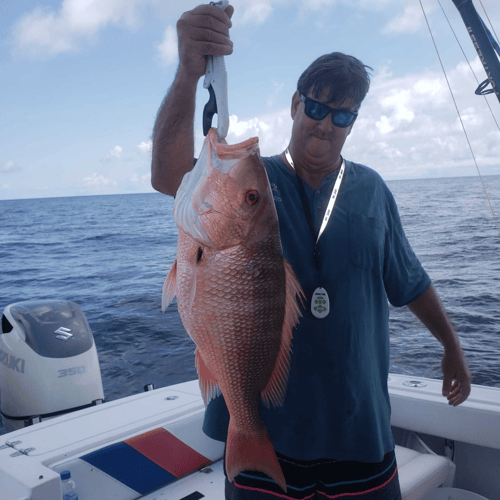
column 110, row 255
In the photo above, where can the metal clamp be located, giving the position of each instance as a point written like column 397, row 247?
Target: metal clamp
column 10, row 444
column 414, row 383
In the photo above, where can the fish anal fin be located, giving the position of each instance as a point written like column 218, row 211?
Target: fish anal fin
column 169, row 287
column 274, row 392
column 208, row 383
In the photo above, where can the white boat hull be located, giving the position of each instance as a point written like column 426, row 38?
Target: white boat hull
column 111, row 434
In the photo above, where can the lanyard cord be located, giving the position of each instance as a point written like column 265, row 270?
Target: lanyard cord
column 329, row 208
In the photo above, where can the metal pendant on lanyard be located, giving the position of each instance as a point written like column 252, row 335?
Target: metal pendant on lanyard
column 320, row 302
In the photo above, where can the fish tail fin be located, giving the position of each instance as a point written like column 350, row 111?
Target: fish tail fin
column 252, row 452
column 169, row 287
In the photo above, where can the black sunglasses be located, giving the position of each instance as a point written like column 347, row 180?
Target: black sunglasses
column 317, row 111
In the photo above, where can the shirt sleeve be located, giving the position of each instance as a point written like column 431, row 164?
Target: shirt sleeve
column 405, row 279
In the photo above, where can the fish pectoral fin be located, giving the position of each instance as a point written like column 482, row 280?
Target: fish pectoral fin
column 274, row 392
column 169, row 287
column 208, row 383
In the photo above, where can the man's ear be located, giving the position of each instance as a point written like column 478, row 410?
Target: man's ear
column 295, row 103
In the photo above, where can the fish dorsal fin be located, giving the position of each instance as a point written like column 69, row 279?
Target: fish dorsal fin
column 169, row 287
column 274, row 392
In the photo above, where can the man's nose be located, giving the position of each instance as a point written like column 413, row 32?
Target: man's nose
column 326, row 123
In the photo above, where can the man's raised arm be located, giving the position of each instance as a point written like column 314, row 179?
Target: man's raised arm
column 201, row 31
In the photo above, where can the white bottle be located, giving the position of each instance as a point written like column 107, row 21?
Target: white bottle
column 68, row 486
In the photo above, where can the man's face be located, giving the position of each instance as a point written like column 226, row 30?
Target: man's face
column 320, row 140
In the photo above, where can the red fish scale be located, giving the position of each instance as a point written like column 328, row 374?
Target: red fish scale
column 240, row 341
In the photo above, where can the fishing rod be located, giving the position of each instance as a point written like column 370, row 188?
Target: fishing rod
column 485, row 46
column 483, row 42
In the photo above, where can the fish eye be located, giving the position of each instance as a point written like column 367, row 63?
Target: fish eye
column 252, row 197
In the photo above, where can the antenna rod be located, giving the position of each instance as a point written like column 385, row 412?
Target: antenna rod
column 481, row 42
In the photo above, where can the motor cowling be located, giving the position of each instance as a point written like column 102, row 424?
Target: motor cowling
column 48, row 362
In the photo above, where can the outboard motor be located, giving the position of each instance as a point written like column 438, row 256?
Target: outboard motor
column 48, row 362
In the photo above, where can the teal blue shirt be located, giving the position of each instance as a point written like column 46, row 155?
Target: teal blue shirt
column 337, row 402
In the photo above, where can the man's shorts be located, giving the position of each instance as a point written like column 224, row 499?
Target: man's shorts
column 321, row 479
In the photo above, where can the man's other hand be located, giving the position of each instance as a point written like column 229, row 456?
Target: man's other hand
column 456, row 376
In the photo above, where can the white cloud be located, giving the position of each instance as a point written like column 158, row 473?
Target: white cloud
column 408, row 126
column 399, row 102
column 145, row 147
column 255, row 11
column 44, row 32
column 98, row 181
column 411, row 19
column 167, row 49
column 320, row 5
column 9, row 167
column 383, row 125
column 115, row 153
column 272, row 129
column 143, row 180
column 471, row 118
column 431, row 87
column 47, row 32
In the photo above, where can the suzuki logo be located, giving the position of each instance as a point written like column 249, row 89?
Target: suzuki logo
column 63, row 333
column 10, row 361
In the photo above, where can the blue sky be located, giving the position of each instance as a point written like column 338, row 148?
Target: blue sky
column 82, row 81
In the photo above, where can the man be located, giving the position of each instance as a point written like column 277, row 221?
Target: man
column 333, row 435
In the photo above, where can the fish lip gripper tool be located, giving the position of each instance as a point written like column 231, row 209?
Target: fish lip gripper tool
column 216, row 83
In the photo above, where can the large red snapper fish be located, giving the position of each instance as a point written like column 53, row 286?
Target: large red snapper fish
column 236, row 294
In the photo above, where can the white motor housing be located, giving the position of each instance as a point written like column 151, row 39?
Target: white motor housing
column 48, row 362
